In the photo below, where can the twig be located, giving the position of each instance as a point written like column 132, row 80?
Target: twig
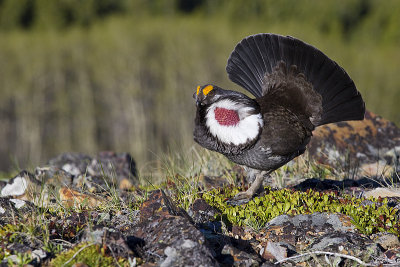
column 325, row 253
column 76, row 253
column 115, row 258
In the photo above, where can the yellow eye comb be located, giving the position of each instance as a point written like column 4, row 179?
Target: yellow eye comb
column 198, row 90
column 207, row 89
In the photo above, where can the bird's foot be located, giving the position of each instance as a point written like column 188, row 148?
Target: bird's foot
column 240, row 198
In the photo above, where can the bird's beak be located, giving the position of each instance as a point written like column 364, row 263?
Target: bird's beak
column 197, row 100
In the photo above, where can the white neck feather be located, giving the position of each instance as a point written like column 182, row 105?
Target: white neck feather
column 246, row 130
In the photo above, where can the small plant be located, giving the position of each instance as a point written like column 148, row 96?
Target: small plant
column 368, row 219
column 52, row 248
column 21, row 260
column 88, row 253
column 9, row 233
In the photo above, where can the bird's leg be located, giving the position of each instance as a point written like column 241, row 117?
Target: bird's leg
column 244, row 197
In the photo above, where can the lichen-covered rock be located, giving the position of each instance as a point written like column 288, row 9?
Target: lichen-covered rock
column 290, row 236
column 355, row 143
column 116, row 168
column 299, row 231
column 347, row 243
column 109, row 238
column 54, row 176
column 72, row 198
column 201, row 212
column 170, row 237
column 386, row 240
column 233, row 256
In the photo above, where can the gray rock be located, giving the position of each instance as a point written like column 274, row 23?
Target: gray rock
column 170, row 237
column 315, row 222
column 386, row 240
column 347, row 243
column 12, row 210
column 99, row 172
column 54, row 175
column 38, row 255
column 109, row 237
column 201, row 212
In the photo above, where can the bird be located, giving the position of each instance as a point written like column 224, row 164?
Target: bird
column 295, row 88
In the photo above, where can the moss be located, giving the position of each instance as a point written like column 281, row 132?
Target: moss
column 369, row 219
column 87, row 253
column 9, row 233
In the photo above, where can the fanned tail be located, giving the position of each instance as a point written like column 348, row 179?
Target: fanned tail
column 257, row 56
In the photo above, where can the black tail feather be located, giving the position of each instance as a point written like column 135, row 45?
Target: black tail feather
column 257, row 56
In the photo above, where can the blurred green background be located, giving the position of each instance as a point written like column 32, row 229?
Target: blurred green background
column 119, row 75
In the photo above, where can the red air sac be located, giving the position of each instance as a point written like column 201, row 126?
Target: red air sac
column 226, row 117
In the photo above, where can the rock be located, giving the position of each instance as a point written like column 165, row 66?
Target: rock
column 159, row 204
column 125, row 219
column 73, row 163
column 274, row 251
column 116, row 168
column 201, row 212
column 113, row 164
column 72, row 198
column 347, row 243
column 386, row 240
column 54, row 176
column 109, row 238
column 38, row 255
column 287, row 236
column 376, row 169
column 13, row 209
column 170, row 237
column 69, row 228
column 25, row 186
column 300, row 230
column 383, row 192
column 354, row 143
column 239, row 257
column 370, row 137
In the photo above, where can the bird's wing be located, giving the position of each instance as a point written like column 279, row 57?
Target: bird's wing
column 256, row 57
column 283, row 132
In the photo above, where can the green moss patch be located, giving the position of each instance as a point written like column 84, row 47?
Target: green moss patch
column 90, row 254
column 369, row 219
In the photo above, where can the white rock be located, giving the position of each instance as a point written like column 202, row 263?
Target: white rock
column 171, row 257
column 18, row 203
column 16, row 188
column 2, row 210
column 188, row 244
column 71, row 169
column 39, row 254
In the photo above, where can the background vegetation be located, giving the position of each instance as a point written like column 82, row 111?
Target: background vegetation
column 119, row 75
